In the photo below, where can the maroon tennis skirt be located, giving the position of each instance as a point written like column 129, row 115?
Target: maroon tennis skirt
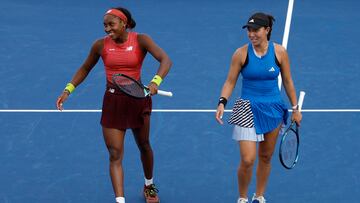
column 121, row 111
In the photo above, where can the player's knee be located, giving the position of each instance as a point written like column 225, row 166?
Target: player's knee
column 265, row 158
column 115, row 154
column 145, row 147
column 247, row 162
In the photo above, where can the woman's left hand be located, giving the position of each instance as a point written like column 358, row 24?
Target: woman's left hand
column 153, row 88
column 296, row 116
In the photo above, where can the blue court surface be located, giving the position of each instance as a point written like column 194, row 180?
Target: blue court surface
column 61, row 157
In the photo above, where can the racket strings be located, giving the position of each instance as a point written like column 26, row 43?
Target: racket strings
column 289, row 148
column 129, row 86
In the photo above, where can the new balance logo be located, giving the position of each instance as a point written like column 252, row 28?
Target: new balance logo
column 130, row 48
column 272, row 69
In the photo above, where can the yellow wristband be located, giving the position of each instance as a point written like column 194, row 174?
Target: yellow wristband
column 69, row 87
column 157, row 80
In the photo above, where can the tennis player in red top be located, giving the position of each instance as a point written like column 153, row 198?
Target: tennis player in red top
column 123, row 51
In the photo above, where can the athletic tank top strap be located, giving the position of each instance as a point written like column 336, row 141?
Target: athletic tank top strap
column 260, row 75
column 263, row 67
column 125, row 58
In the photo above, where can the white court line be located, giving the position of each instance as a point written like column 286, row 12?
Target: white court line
column 162, row 110
column 286, row 32
column 288, row 23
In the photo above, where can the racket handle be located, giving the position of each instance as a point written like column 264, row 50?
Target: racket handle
column 164, row 93
column 301, row 100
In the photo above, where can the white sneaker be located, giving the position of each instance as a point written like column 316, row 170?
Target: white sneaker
column 242, row 200
column 259, row 199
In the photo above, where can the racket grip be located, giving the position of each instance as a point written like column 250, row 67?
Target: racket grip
column 301, row 100
column 164, row 93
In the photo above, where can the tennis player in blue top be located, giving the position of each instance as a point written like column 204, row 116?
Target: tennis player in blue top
column 260, row 112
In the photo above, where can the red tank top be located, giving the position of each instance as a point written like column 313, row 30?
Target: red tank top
column 126, row 58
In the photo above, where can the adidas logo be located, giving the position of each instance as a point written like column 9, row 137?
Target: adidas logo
column 112, row 49
column 252, row 21
column 272, row 69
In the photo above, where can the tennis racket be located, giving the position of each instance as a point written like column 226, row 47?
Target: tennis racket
column 134, row 88
column 290, row 141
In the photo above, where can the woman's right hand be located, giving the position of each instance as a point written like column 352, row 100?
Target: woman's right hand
column 220, row 113
column 61, row 99
column 296, row 116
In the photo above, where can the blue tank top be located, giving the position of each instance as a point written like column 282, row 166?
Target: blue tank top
column 260, row 76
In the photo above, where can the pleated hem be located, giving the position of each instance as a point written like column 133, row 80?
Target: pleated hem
column 268, row 115
column 246, row 134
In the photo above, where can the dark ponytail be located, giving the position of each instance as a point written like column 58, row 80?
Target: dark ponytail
column 271, row 22
column 131, row 22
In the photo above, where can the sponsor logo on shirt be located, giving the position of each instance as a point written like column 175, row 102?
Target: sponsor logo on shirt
column 129, row 48
column 272, row 69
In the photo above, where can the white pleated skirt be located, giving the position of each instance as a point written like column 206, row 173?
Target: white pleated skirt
column 249, row 134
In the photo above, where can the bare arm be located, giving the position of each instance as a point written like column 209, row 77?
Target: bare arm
column 288, row 83
column 237, row 61
column 148, row 45
column 89, row 63
column 83, row 70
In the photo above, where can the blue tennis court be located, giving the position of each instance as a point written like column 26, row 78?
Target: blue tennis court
column 50, row 156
